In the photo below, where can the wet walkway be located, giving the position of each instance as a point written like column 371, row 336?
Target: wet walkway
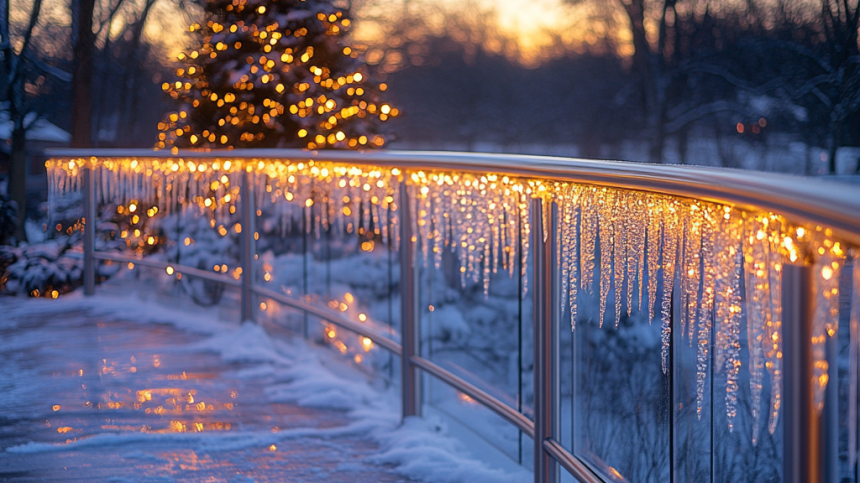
column 93, row 398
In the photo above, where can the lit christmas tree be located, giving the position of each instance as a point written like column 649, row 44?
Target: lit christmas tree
column 274, row 74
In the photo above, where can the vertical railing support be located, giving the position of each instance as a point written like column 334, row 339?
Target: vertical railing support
column 830, row 414
column 410, row 383
column 802, row 443
column 90, row 227
column 546, row 294
column 247, row 215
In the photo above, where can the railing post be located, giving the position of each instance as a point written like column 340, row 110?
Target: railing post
column 410, row 383
column 546, row 296
column 90, row 227
column 247, row 216
column 802, row 437
column 830, row 414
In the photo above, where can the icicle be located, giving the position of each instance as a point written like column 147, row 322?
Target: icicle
column 494, row 218
column 605, row 203
column 588, row 232
column 440, row 229
column 563, row 242
column 671, row 237
column 524, row 209
column 572, row 251
column 727, row 286
column 825, row 323
column 773, row 328
column 422, row 208
column 486, row 275
column 755, row 266
column 692, row 272
column 637, row 246
column 619, row 251
column 706, row 309
column 654, row 240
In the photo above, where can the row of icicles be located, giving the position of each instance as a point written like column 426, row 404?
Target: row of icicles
column 631, row 249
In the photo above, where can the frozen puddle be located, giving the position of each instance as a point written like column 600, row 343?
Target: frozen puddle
column 91, row 396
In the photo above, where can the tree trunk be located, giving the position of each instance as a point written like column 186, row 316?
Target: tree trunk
column 833, row 145
column 132, row 95
column 18, row 178
column 683, row 144
column 84, row 46
column 18, row 158
column 635, row 11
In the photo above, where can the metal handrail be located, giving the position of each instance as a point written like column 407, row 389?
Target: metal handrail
column 836, row 205
column 569, row 462
column 803, row 199
column 183, row 269
column 377, row 337
column 508, row 413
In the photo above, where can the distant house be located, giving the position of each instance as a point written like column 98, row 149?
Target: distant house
column 41, row 135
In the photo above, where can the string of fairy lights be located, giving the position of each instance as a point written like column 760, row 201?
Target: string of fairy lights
column 621, row 250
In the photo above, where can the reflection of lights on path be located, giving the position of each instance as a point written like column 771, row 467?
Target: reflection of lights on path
column 149, row 423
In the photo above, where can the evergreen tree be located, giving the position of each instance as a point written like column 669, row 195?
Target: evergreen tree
column 274, row 74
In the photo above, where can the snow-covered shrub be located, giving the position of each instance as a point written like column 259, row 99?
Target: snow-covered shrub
column 194, row 242
column 40, row 269
column 55, row 266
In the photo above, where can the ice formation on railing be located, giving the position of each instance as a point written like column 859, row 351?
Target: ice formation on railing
column 478, row 217
column 344, row 195
column 634, row 249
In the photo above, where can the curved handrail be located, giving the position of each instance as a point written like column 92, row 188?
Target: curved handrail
column 835, row 205
column 508, row 413
column 570, row 462
column 183, row 269
column 336, row 319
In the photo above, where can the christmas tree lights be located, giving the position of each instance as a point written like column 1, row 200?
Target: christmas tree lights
column 274, row 74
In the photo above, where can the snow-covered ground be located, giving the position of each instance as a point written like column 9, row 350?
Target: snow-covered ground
column 124, row 387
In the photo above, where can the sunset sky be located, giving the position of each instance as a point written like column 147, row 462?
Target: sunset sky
column 533, row 24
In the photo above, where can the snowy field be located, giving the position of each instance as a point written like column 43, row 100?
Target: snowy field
column 123, row 388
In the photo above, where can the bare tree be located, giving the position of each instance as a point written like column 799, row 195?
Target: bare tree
column 837, row 85
column 84, row 45
column 15, row 67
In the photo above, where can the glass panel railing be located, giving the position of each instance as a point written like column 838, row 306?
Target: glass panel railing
column 845, row 348
column 693, row 422
column 475, row 313
column 333, row 253
column 677, row 367
column 620, row 405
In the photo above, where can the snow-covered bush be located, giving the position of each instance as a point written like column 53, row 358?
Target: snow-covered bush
column 55, row 266
column 194, row 242
column 42, row 269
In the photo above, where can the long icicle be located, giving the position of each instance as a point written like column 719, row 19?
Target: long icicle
column 654, row 241
column 671, row 237
column 706, row 309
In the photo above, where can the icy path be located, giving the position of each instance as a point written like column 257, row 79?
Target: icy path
column 88, row 394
